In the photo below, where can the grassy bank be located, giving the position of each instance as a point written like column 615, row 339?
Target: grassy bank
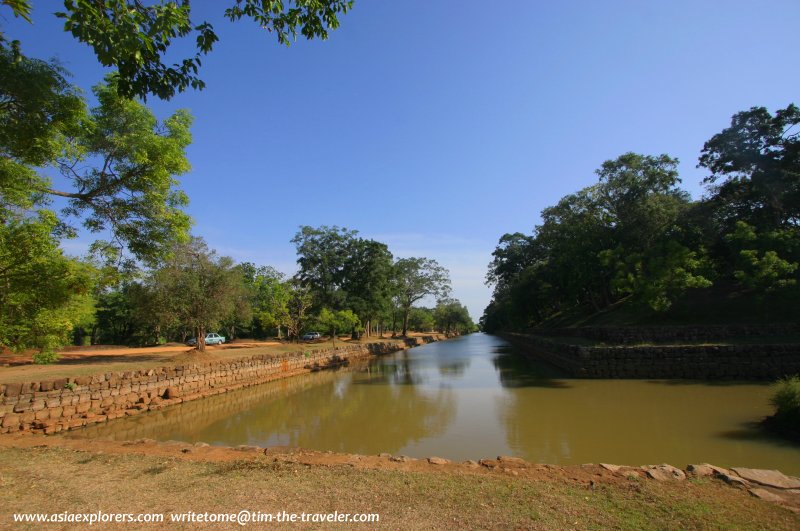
column 52, row 479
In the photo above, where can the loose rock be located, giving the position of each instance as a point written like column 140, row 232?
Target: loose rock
column 770, row 478
column 665, row 472
column 706, row 470
column 766, row 495
column 438, row 461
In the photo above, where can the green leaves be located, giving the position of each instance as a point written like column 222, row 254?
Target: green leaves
column 757, row 262
column 134, row 38
column 43, row 293
column 755, row 168
column 131, row 191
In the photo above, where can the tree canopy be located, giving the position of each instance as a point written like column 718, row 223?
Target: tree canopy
column 133, row 36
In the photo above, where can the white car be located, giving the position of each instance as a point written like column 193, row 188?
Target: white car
column 211, row 339
column 311, row 336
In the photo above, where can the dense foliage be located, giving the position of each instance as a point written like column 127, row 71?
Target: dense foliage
column 636, row 237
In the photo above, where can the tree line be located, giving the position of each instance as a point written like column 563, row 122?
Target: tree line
column 636, row 239
column 345, row 284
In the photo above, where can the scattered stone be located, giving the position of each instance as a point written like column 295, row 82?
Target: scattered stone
column 248, row 448
column 734, row 480
column 770, row 478
column 610, row 468
column 438, row 460
column 401, row 459
column 186, row 450
column 144, row 441
column 706, row 470
column 201, row 445
column 511, row 461
column 384, row 454
column 472, row 464
column 665, row 472
column 489, row 463
column 766, row 495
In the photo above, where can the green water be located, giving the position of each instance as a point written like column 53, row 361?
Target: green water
column 475, row 397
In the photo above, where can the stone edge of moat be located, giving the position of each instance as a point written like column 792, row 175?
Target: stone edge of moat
column 768, row 485
column 53, row 406
column 695, row 362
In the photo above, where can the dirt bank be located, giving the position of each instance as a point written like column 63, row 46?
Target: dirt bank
column 56, row 474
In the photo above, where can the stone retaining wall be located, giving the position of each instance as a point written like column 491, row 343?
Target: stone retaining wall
column 727, row 362
column 62, row 404
column 648, row 334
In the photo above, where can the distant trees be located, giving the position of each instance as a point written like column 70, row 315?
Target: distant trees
column 333, row 321
column 345, row 272
column 635, row 235
column 452, row 317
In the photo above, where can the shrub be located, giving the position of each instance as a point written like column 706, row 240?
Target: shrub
column 786, row 401
column 45, row 357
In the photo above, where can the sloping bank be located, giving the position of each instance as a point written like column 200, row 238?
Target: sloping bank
column 68, row 403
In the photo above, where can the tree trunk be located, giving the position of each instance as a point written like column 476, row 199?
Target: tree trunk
column 405, row 321
column 201, row 338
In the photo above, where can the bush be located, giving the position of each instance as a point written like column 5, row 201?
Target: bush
column 45, row 357
column 786, row 401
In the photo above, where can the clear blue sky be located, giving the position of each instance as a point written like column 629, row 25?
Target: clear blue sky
column 437, row 126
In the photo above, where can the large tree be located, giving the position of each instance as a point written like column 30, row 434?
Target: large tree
column 322, row 253
column 366, row 281
column 134, row 37
column 117, row 163
column 417, row 278
column 130, row 191
column 197, row 288
column 755, row 168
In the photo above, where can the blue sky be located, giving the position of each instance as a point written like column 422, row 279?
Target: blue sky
column 436, row 126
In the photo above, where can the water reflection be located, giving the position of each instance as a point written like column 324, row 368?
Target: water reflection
column 324, row 410
column 515, row 370
column 476, row 397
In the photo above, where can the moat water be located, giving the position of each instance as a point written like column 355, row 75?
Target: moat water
column 476, row 397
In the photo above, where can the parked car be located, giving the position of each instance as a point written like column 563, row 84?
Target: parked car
column 311, row 336
column 211, row 339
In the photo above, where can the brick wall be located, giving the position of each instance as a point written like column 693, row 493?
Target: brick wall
column 62, row 404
